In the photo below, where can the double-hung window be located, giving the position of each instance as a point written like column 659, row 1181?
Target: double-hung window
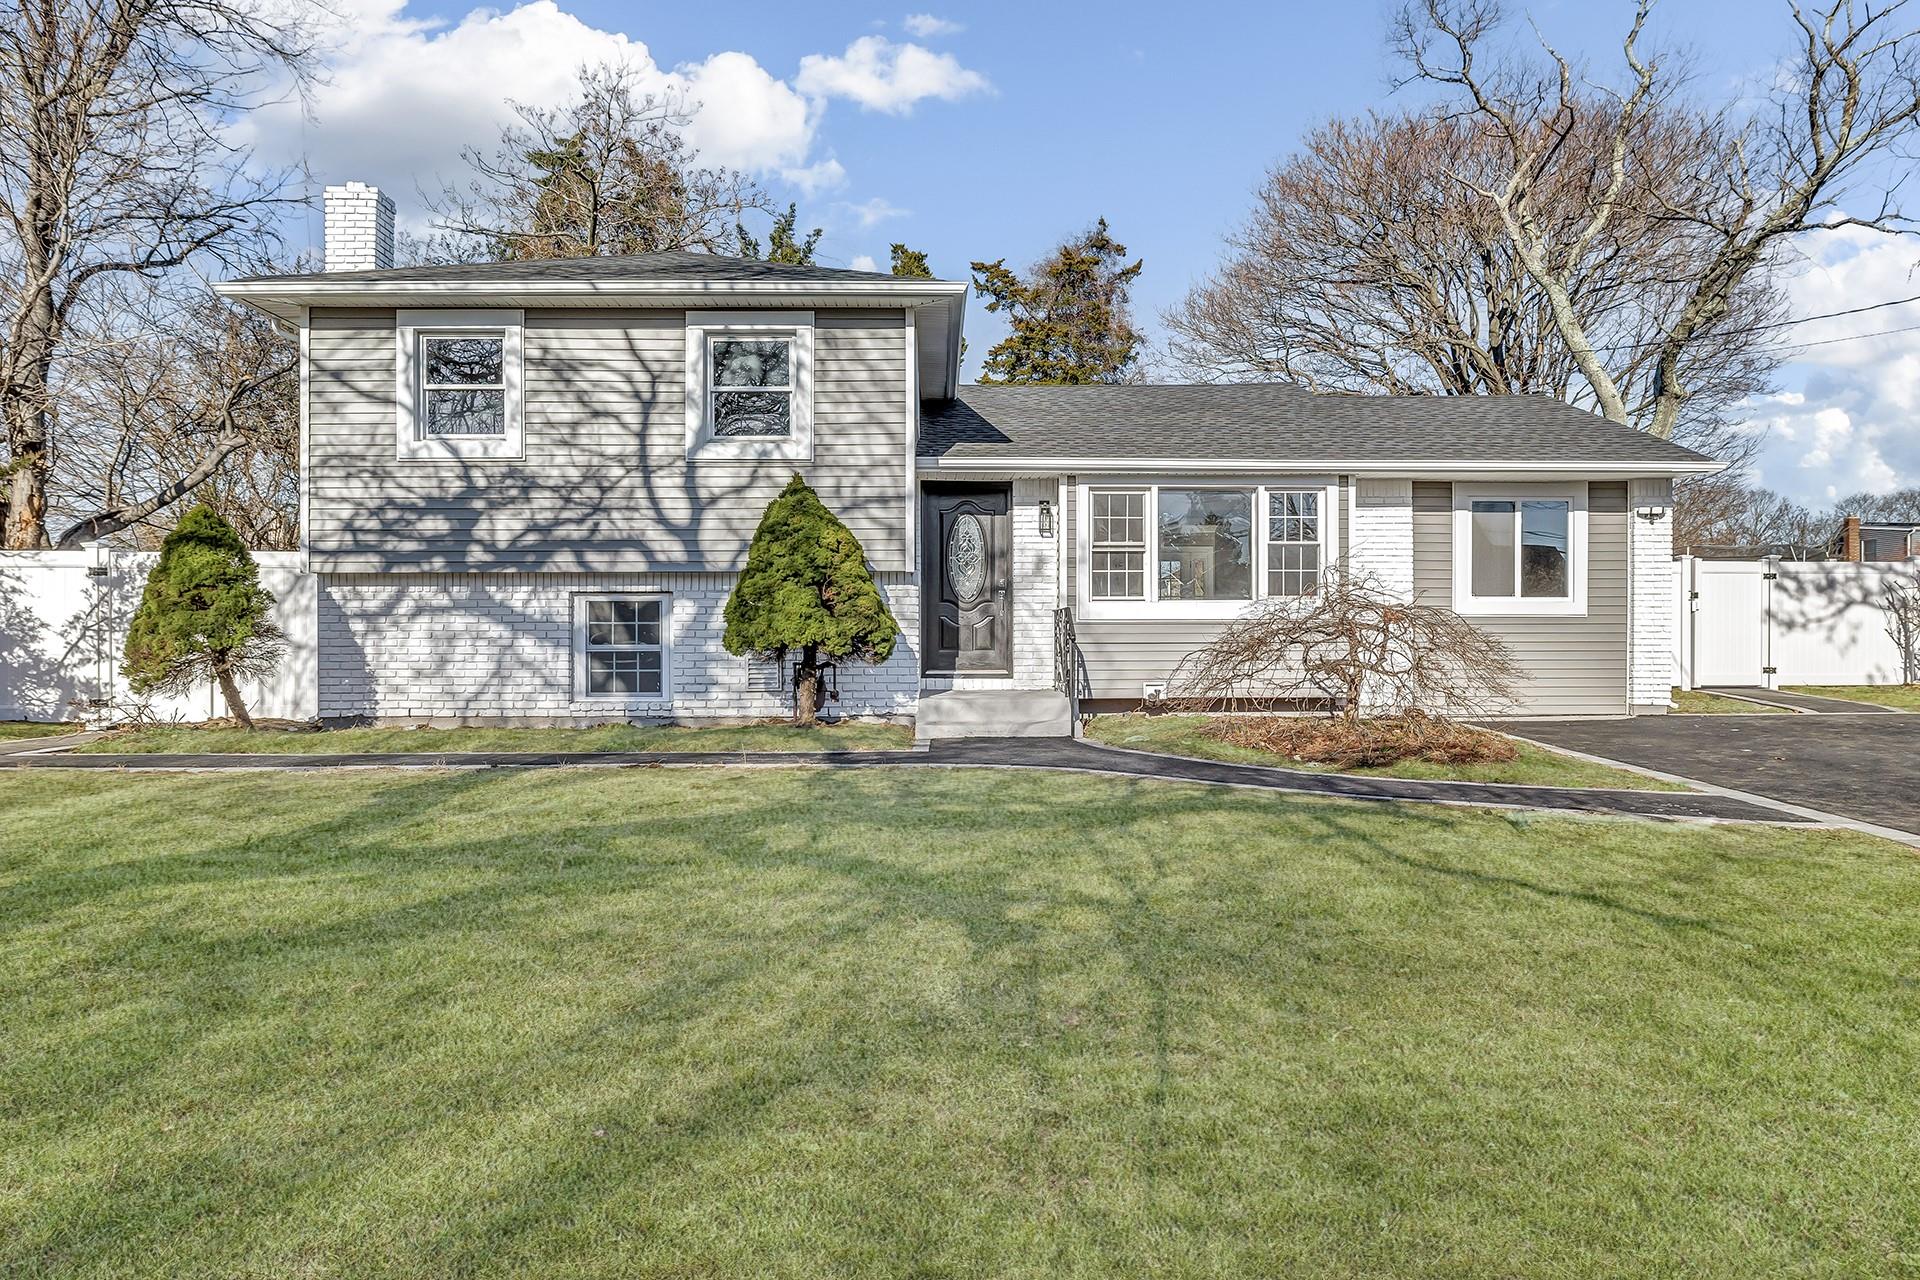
column 749, row 385
column 620, row 647
column 1293, row 541
column 1519, row 549
column 1118, row 567
column 1201, row 550
column 458, row 391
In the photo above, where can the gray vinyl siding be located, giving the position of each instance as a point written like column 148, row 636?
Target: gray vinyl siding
column 1572, row 666
column 605, row 484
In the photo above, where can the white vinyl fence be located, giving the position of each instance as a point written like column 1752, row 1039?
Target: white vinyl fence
column 64, row 617
column 1772, row 623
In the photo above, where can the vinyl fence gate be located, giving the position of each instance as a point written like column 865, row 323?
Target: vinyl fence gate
column 1780, row 622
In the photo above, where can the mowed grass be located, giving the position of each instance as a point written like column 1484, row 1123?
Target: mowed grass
column 849, row 736
column 936, row 1023
column 1904, row 697
column 1693, row 702
column 1180, row 735
column 14, row 730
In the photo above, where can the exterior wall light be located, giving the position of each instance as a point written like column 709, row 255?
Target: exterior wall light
column 1046, row 518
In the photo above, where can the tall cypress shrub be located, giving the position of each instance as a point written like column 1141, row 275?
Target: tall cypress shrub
column 807, row 587
column 203, row 616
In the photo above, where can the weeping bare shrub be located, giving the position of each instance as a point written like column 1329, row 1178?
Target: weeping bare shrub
column 1902, row 603
column 1354, row 642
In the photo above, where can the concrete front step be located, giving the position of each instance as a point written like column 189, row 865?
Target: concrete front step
column 993, row 713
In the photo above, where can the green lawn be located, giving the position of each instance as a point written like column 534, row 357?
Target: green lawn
column 1181, row 736
column 936, row 1023
column 14, row 730
column 1905, row 697
column 1692, row 702
column 856, row 736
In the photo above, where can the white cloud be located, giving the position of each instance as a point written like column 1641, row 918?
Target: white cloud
column 872, row 213
column 883, row 76
column 864, row 262
column 1845, row 423
column 402, row 96
column 926, row 26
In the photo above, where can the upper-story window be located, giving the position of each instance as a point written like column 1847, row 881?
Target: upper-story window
column 1201, row 550
column 749, row 385
column 458, row 391
column 1519, row 548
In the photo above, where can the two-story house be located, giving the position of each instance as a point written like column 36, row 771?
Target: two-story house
column 527, row 489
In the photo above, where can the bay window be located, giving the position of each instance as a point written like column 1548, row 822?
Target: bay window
column 1200, row 550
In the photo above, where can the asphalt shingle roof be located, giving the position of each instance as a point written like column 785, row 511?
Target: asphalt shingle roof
column 1278, row 421
column 676, row 265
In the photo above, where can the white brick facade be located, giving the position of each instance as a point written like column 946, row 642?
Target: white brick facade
column 1650, row 567
column 441, row 647
column 359, row 228
column 1036, row 592
column 1381, row 540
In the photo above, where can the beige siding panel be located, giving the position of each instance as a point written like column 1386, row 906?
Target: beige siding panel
column 1573, row 666
column 605, row 484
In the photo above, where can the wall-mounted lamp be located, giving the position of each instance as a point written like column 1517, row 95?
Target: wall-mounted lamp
column 1046, row 518
column 1650, row 514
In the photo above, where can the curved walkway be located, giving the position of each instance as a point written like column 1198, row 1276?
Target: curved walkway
column 1001, row 753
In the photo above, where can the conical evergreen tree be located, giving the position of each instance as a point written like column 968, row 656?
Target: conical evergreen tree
column 203, row 616
column 807, row 587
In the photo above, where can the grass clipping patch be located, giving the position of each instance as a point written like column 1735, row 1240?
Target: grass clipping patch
column 1360, row 744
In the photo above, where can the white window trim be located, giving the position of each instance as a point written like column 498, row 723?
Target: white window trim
column 702, row 328
column 1572, row 605
column 410, row 441
column 1153, row 607
column 636, row 701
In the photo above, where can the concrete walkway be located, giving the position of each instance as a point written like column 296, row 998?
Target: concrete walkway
column 57, row 742
column 1810, row 703
column 1001, row 753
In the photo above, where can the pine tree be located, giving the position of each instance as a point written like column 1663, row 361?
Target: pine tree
column 1069, row 319
column 783, row 243
column 807, row 587
column 911, row 263
column 203, row 616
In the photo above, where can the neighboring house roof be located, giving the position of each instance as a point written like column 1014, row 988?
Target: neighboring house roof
column 676, row 265
column 1249, row 424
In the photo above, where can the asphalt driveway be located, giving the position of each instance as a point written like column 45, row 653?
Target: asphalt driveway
column 1865, row 767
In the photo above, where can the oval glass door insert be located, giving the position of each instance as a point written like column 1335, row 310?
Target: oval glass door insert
column 967, row 558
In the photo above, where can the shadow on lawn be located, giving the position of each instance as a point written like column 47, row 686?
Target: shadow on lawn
column 895, row 850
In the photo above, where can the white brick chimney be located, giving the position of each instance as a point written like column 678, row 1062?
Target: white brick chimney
column 359, row 228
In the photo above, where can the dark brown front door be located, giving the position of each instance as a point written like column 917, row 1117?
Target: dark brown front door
column 965, row 557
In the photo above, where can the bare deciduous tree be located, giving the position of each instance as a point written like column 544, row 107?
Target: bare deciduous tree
column 1849, row 93
column 1901, row 600
column 608, row 173
column 194, row 395
column 1369, row 265
column 117, row 165
column 1354, row 642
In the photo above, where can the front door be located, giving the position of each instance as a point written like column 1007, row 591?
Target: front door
column 966, row 563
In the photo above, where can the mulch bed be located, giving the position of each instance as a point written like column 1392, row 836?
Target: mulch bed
column 1352, row 744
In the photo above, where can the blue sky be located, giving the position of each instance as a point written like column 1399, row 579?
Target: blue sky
column 994, row 129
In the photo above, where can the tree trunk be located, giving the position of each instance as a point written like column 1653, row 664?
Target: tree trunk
column 806, row 687
column 25, row 502
column 236, row 706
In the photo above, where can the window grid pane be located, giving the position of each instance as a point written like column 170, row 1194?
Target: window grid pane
column 463, row 360
column 1293, row 541
column 622, row 648
column 1119, row 519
